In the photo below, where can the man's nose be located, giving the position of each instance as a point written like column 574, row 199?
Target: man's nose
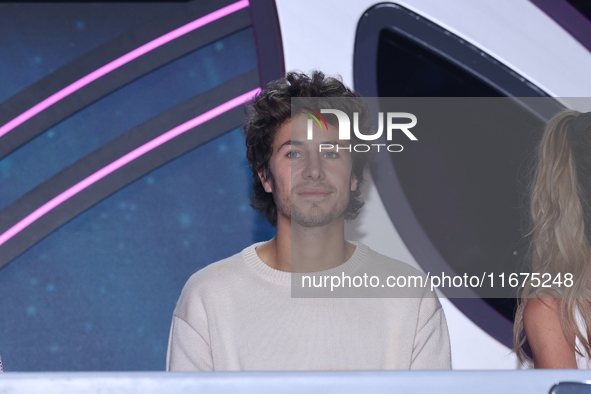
column 313, row 169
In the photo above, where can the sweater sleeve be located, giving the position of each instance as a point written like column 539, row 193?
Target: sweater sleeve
column 431, row 347
column 187, row 349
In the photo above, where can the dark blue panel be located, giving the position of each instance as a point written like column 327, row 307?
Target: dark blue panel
column 37, row 38
column 98, row 294
column 130, row 106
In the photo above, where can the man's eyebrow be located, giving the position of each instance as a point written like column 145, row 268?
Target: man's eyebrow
column 291, row 142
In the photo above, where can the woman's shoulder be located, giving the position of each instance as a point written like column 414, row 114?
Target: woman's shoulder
column 544, row 332
column 547, row 301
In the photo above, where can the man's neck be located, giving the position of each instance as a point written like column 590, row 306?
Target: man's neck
column 306, row 249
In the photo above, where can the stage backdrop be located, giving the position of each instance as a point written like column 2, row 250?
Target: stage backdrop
column 96, row 291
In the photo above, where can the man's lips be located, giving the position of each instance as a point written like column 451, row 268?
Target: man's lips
column 313, row 192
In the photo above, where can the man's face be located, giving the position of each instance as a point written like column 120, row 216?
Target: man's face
column 310, row 188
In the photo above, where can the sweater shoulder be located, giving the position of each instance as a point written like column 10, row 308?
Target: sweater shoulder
column 384, row 263
column 207, row 285
column 216, row 275
column 414, row 282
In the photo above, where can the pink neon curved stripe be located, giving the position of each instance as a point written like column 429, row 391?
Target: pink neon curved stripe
column 107, row 68
column 134, row 154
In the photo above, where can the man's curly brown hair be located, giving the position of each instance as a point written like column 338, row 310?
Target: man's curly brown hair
column 273, row 107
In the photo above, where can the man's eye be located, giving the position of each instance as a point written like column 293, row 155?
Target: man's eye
column 293, row 154
column 331, row 155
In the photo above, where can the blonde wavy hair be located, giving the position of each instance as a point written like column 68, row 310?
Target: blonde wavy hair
column 560, row 209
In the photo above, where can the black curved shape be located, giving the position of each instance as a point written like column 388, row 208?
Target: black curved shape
column 126, row 174
column 125, row 74
column 502, row 81
column 571, row 388
column 398, row 19
column 267, row 35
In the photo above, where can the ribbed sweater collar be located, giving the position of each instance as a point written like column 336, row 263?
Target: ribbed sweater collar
column 253, row 261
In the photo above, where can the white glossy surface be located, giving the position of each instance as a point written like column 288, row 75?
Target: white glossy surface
column 457, row 382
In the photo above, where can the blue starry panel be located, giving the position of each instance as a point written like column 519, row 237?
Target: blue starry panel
column 98, row 294
column 38, row 38
column 90, row 128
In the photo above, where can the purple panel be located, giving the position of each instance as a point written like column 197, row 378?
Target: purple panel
column 568, row 18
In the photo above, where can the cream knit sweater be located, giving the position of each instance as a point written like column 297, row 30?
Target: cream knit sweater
column 238, row 315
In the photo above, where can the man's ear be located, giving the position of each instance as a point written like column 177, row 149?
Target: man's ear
column 353, row 183
column 265, row 180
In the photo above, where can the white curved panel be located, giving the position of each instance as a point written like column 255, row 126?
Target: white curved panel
column 321, row 35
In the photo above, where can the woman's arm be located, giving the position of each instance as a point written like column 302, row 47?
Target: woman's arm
column 545, row 335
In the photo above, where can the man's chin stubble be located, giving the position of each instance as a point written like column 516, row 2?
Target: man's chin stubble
column 314, row 218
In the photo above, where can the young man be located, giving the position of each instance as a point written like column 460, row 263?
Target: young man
column 239, row 313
